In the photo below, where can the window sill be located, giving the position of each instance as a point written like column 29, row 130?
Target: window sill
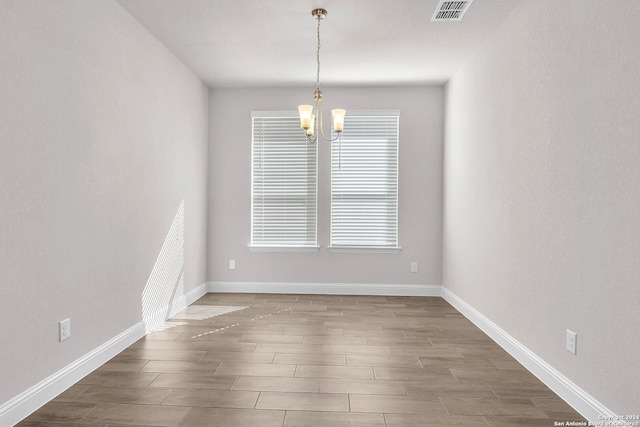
column 283, row 248
column 366, row 249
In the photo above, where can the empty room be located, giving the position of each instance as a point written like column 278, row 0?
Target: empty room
column 319, row 213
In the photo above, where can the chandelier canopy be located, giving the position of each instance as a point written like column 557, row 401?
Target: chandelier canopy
column 310, row 120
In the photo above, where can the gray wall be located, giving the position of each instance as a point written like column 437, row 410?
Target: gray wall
column 542, row 189
column 420, row 188
column 103, row 133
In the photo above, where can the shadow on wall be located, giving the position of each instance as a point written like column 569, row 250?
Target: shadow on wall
column 163, row 295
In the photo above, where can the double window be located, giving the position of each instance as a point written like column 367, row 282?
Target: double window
column 364, row 183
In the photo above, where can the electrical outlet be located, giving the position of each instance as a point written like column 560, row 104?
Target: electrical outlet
column 65, row 329
column 232, row 264
column 414, row 267
column 572, row 341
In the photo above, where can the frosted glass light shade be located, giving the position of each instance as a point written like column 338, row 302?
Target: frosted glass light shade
column 338, row 119
column 306, row 113
column 313, row 121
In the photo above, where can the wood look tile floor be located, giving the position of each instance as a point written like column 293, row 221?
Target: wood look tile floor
column 311, row 360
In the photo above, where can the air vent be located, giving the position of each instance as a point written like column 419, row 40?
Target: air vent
column 451, row 10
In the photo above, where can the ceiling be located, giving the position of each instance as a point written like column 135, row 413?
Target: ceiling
column 252, row 43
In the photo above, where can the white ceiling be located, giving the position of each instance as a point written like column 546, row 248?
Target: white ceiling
column 249, row 43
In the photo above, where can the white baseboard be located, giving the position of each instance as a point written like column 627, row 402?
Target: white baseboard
column 24, row 404
column 579, row 399
column 21, row 406
column 325, row 288
column 157, row 318
column 194, row 294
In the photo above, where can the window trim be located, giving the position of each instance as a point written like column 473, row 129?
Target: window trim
column 365, row 249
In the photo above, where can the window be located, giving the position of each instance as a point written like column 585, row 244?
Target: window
column 283, row 184
column 364, row 183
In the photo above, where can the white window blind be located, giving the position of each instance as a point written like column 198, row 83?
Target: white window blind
column 364, row 182
column 283, row 188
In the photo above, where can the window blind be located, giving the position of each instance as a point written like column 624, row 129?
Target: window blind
column 284, row 183
column 364, row 182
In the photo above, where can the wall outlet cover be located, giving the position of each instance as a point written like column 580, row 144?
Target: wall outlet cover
column 572, row 341
column 64, row 329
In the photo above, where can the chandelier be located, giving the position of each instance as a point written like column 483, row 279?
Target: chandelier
column 311, row 121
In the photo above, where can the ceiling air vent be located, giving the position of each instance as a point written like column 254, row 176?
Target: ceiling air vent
column 451, row 10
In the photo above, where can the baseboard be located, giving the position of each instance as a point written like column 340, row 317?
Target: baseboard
column 21, row 406
column 157, row 318
column 194, row 294
column 325, row 288
column 579, row 399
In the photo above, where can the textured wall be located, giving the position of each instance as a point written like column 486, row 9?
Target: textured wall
column 420, row 190
column 103, row 134
column 542, row 189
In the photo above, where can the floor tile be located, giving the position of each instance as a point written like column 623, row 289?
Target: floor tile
column 557, row 409
column 516, row 390
column 421, row 420
column 354, row 386
column 355, row 349
column 179, row 366
column 141, row 395
column 123, row 365
column 212, row 398
column 194, row 381
column 115, row 379
column 398, row 341
column 71, row 393
column 305, row 385
column 322, row 331
column 503, row 407
column 237, row 357
column 162, row 335
column 334, row 340
column 391, row 361
column 256, row 369
column 507, row 364
column 475, row 363
column 137, row 414
column 492, row 376
column 395, row 404
column 520, row 421
column 162, row 354
column 333, row 419
column 421, row 389
column 275, row 339
column 310, row 359
column 202, row 343
column 317, row 371
column 219, row 417
column 427, row 374
column 58, row 424
column 289, row 348
column 61, row 411
column 303, row 401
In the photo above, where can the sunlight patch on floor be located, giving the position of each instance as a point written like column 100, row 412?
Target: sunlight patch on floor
column 202, row 312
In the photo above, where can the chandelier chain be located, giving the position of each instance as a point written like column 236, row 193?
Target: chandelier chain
column 310, row 122
column 319, row 17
